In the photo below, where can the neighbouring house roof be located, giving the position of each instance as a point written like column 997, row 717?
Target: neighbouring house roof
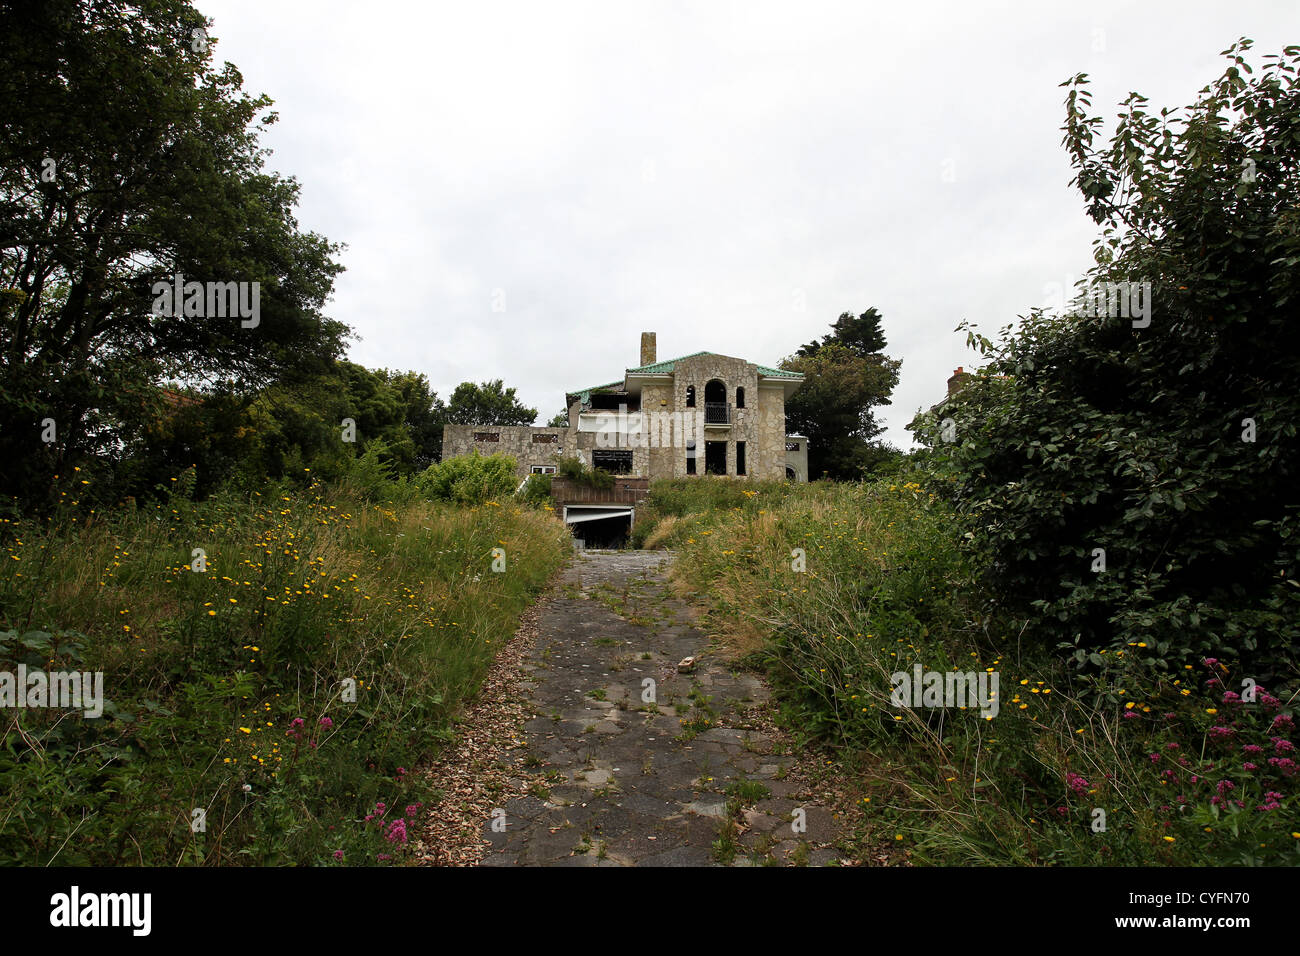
column 667, row 367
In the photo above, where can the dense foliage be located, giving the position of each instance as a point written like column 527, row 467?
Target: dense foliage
column 1165, row 435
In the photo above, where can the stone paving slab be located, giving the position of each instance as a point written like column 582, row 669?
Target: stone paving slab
column 631, row 782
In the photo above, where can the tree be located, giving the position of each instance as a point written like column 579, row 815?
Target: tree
column 860, row 334
column 1129, row 468
column 846, row 375
column 559, row 420
column 426, row 413
column 127, row 160
column 487, row 404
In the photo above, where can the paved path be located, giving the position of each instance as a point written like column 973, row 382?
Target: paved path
column 696, row 777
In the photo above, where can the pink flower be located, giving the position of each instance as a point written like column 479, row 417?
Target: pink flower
column 1248, row 766
column 338, row 854
column 326, row 722
column 1252, row 749
column 1076, row 782
column 396, row 831
column 1281, row 744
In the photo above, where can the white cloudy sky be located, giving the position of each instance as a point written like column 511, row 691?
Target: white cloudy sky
column 731, row 175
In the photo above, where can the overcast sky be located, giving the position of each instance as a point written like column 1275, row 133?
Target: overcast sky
column 523, row 188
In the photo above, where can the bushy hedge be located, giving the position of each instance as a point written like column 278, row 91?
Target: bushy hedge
column 470, row 479
column 1167, row 440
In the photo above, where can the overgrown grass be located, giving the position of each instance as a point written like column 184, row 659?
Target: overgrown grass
column 836, row 588
column 278, row 662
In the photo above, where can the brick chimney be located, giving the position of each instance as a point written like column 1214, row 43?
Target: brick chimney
column 956, row 381
column 648, row 348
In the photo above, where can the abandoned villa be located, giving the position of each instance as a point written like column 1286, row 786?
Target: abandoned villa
column 699, row 414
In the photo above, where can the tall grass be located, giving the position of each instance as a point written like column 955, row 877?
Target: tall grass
column 278, row 662
column 835, row 588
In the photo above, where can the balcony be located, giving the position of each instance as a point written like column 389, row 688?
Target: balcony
column 717, row 415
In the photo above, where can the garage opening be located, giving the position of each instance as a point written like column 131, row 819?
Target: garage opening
column 599, row 526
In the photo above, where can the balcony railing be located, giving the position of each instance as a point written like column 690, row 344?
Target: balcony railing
column 717, row 413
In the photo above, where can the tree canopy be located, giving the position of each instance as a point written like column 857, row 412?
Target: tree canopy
column 127, row 159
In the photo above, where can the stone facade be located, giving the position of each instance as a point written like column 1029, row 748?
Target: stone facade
column 520, row 441
column 733, row 411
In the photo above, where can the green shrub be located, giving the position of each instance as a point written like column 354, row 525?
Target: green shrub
column 470, row 479
column 536, row 491
column 1166, row 440
column 574, row 470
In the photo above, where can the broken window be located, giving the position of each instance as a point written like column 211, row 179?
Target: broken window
column 740, row 457
column 615, row 462
column 690, row 396
column 542, row 470
column 792, row 446
column 545, row 439
column 487, row 436
column 715, row 457
column 690, row 457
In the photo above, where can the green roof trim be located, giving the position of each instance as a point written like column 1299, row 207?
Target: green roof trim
column 662, row 368
column 666, row 367
column 779, row 373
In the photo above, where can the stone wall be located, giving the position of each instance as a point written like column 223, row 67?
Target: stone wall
column 516, row 440
column 771, row 434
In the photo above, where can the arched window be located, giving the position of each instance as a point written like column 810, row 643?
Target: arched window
column 690, row 396
column 716, row 410
column 740, row 398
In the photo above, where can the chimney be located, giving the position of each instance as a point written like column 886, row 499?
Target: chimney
column 957, row 380
column 648, row 348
